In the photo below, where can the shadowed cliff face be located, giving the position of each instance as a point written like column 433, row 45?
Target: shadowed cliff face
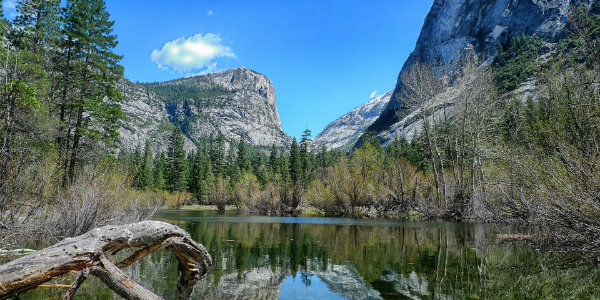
column 452, row 25
column 236, row 102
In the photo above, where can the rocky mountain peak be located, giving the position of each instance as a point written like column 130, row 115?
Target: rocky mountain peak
column 452, row 25
column 345, row 131
column 236, row 102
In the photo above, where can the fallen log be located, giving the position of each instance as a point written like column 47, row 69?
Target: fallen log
column 87, row 254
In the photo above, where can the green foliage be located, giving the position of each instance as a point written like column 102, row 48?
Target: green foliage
column 514, row 62
column 198, row 91
column 145, row 177
column 160, row 171
column 88, row 107
column 217, row 154
column 242, row 161
column 177, row 162
column 295, row 162
column 22, row 94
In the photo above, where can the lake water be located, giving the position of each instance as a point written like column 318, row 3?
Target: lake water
column 339, row 258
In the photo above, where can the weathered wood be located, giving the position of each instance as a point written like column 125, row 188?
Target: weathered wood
column 87, row 253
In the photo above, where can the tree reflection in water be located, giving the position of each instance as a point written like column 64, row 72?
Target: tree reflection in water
column 253, row 257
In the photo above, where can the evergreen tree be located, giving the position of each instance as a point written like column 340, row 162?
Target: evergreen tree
column 242, row 162
column 260, row 169
column 160, row 166
column 38, row 24
column 284, row 165
column 323, row 157
column 195, row 173
column 176, row 162
column 88, row 109
column 207, row 182
column 217, row 154
column 295, row 162
column 134, row 165
column 145, row 174
column 4, row 24
column 273, row 160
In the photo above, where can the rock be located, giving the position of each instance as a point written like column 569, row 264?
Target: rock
column 452, row 25
column 146, row 119
column 236, row 102
column 345, row 131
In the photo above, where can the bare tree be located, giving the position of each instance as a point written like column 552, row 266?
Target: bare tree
column 421, row 84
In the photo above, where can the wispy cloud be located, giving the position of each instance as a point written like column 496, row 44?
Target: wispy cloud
column 194, row 53
column 373, row 94
column 210, row 13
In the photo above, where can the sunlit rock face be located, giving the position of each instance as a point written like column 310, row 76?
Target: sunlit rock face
column 345, row 131
column 236, row 102
column 453, row 25
column 146, row 118
column 247, row 108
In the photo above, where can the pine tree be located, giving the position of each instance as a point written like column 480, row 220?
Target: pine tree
column 207, row 182
column 273, row 160
column 134, row 165
column 195, row 174
column 146, row 176
column 176, row 162
column 38, row 24
column 160, row 166
column 322, row 156
column 295, row 162
column 242, row 162
column 217, row 154
column 260, row 169
column 88, row 109
column 284, row 165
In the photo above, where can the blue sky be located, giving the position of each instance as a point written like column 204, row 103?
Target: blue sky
column 324, row 57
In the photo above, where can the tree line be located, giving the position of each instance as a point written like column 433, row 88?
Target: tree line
column 223, row 171
column 59, row 120
column 482, row 150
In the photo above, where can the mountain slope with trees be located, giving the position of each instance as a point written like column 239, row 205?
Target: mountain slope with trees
column 233, row 102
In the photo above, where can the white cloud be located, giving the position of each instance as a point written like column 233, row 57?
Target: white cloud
column 373, row 94
column 212, row 68
column 194, row 53
column 210, row 13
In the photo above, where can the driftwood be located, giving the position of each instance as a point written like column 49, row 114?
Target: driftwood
column 86, row 254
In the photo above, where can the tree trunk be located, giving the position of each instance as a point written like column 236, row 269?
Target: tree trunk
column 87, row 254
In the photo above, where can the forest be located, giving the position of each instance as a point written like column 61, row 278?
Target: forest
column 482, row 152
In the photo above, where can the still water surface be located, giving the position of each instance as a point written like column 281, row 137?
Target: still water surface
column 339, row 258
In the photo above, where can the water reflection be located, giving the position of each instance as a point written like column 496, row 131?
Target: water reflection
column 320, row 258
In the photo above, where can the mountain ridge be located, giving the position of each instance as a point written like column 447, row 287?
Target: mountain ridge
column 345, row 130
column 236, row 102
column 453, row 25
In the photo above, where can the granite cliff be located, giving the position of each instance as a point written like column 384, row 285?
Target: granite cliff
column 452, row 25
column 236, row 102
column 345, row 131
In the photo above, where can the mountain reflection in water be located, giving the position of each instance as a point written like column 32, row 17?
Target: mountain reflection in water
column 331, row 258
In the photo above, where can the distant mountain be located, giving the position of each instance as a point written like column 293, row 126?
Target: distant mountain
column 236, row 102
column 452, row 25
column 345, row 131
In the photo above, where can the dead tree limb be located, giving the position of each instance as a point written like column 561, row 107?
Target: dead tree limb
column 87, row 253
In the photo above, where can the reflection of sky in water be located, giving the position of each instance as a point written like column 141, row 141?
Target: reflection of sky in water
column 295, row 288
column 191, row 216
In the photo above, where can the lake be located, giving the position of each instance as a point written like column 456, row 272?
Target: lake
column 257, row 257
